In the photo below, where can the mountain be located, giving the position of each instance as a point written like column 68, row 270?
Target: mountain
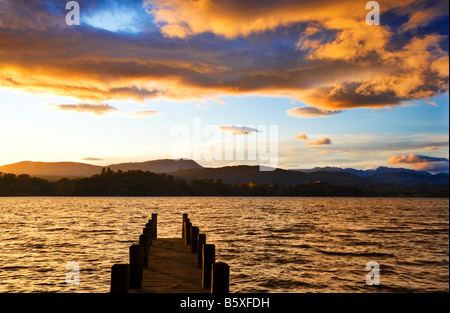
column 58, row 170
column 364, row 173
column 246, row 173
column 353, row 171
column 409, row 178
column 189, row 170
column 157, row 166
column 333, row 175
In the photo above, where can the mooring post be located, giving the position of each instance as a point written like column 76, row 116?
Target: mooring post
column 155, row 225
column 209, row 257
column 220, row 278
column 136, row 266
column 194, row 238
column 187, row 232
column 120, row 278
column 151, row 228
column 148, row 228
column 185, row 216
column 200, row 242
column 144, row 241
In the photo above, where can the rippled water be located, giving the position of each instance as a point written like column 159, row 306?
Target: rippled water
column 271, row 244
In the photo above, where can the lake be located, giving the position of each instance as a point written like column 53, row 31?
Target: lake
column 276, row 245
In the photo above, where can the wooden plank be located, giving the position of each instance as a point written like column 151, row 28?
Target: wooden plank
column 172, row 268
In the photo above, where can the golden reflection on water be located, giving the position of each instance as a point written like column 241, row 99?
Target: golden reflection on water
column 271, row 244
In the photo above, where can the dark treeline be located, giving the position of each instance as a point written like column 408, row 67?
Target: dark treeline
column 139, row 183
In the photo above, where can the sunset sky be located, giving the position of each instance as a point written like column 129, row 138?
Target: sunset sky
column 113, row 89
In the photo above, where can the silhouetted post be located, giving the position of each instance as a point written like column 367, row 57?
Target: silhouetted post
column 209, row 257
column 136, row 266
column 194, row 238
column 155, row 225
column 200, row 242
column 185, row 216
column 187, row 232
column 144, row 241
column 220, row 280
column 148, row 228
column 120, row 278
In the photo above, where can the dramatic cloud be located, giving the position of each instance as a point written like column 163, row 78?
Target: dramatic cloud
column 233, row 18
column 319, row 52
column 425, row 15
column 323, row 141
column 99, row 109
column 421, row 162
column 310, row 112
column 301, row 137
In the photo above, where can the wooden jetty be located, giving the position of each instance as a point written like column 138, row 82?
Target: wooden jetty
column 171, row 265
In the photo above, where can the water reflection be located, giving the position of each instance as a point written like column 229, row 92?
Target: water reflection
column 271, row 244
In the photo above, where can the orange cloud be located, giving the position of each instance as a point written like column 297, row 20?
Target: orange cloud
column 423, row 17
column 420, row 162
column 301, row 137
column 417, row 71
column 323, row 141
column 334, row 60
column 233, row 18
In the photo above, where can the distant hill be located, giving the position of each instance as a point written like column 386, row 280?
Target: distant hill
column 157, row 166
column 189, row 170
column 54, row 171
column 364, row 173
column 58, row 169
column 333, row 175
column 245, row 174
column 389, row 175
column 409, row 178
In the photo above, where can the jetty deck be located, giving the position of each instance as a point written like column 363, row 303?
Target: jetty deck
column 172, row 268
column 171, row 265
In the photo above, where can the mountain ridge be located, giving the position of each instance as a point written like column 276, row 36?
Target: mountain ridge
column 59, row 170
column 189, row 169
column 246, row 174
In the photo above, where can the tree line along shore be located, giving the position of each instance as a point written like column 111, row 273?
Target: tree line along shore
column 140, row 183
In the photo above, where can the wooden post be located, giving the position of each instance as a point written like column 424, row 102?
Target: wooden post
column 194, row 238
column 209, row 257
column 136, row 266
column 148, row 228
column 187, row 232
column 185, row 216
column 155, row 225
column 200, row 242
column 120, row 278
column 144, row 241
column 220, row 280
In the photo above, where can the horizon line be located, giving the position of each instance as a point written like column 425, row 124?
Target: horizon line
column 226, row 165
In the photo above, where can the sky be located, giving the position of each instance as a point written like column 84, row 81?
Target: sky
column 313, row 83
